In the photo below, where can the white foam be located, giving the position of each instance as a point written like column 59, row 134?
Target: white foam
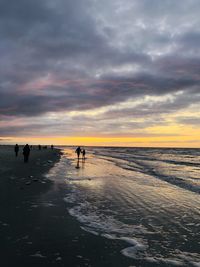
column 108, row 236
column 130, row 241
column 89, row 230
column 133, row 252
column 110, row 228
column 70, row 199
column 151, row 260
column 103, row 221
column 172, row 262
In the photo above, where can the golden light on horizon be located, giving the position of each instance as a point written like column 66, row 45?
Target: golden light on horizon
column 156, row 141
column 168, row 133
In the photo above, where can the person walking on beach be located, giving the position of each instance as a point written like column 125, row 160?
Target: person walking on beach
column 78, row 151
column 83, row 154
column 16, row 149
column 52, row 147
column 26, row 152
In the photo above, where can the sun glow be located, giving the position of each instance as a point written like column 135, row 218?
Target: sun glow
column 189, row 139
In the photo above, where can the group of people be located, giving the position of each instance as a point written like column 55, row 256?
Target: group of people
column 44, row 147
column 79, row 151
column 26, row 150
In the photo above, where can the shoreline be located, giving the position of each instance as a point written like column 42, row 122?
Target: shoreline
column 39, row 227
column 36, row 228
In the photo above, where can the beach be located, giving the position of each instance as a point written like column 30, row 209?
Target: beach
column 119, row 207
column 36, row 229
column 20, row 185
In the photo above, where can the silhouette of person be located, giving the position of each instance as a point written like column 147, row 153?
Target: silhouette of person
column 16, row 149
column 39, row 147
column 52, row 147
column 78, row 151
column 83, row 153
column 26, row 152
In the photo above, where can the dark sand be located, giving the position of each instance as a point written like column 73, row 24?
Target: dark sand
column 35, row 227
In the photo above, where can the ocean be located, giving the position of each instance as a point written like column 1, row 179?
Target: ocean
column 146, row 198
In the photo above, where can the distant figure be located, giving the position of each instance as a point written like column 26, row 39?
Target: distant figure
column 16, row 149
column 78, row 151
column 52, row 147
column 83, row 153
column 26, row 152
column 39, row 147
column 31, row 147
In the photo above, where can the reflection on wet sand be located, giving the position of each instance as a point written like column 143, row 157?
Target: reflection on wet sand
column 152, row 215
column 80, row 163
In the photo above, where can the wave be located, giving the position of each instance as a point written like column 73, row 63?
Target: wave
column 125, row 197
column 182, row 169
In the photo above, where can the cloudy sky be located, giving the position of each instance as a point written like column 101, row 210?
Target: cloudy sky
column 115, row 72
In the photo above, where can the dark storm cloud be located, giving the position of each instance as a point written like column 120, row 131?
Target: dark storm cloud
column 81, row 55
column 96, row 94
column 57, row 128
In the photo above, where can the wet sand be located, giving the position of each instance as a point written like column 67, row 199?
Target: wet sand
column 18, row 178
column 20, row 184
column 53, row 214
column 144, row 220
column 36, row 229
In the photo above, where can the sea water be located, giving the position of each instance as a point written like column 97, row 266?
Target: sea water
column 147, row 198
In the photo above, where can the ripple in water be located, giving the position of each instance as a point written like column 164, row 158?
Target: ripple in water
column 158, row 220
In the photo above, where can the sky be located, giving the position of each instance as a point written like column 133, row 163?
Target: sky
column 109, row 72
